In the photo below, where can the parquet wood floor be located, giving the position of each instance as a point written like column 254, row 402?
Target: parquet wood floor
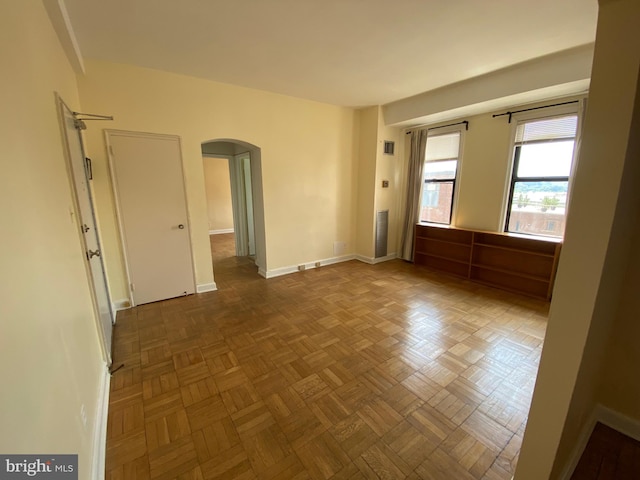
column 349, row 371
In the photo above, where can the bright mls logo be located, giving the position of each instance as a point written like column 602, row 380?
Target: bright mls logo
column 41, row 467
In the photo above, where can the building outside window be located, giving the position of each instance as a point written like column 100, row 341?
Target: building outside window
column 440, row 170
column 542, row 164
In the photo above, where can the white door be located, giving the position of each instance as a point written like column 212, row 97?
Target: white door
column 150, row 196
column 81, row 173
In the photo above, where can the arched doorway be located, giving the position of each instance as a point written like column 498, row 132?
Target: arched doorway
column 245, row 177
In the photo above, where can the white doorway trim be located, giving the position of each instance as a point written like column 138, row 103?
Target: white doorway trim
column 240, row 206
column 254, row 193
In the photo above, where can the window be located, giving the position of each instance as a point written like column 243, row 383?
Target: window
column 440, row 167
column 542, row 159
column 430, row 195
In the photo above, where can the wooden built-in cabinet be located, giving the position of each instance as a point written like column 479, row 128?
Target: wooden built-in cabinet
column 512, row 262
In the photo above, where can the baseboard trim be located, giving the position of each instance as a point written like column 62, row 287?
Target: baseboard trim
column 221, row 231
column 206, row 287
column 580, row 445
column 100, row 432
column 373, row 261
column 278, row 272
column 616, row 420
column 122, row 304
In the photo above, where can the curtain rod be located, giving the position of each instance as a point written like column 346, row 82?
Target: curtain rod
column 464, row 122
column 533, row 108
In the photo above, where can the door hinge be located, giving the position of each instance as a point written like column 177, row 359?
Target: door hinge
column 88, row 168
column 79, row 124
column 133, row 286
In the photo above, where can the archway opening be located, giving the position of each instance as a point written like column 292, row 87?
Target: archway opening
column 233, row 185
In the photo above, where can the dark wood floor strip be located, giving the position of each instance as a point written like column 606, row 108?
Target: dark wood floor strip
column 609, row 455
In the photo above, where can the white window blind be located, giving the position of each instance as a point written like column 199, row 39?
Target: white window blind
column 443, row 147
column 562, row 128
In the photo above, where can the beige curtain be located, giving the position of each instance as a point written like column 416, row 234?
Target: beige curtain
column 414, row 188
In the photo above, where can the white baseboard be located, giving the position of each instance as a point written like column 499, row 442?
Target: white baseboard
column 206, row 287
column 616, row 420
column 121, row 304
column 580, row 445
column 221, row 231
column 373, row 261
column 278, row 272
column 100, row 429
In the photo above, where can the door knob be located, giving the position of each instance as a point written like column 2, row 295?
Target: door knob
column 181, row 227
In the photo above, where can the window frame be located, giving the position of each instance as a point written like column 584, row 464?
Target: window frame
column 455, row 182
column 575, row 109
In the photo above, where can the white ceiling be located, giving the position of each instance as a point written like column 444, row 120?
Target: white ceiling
column 344, row 52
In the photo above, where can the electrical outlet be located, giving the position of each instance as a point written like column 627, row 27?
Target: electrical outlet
column 301, row 268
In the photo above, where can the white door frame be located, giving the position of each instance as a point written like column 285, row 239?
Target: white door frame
column 248, row 193
column 88, row 221
column 238, row 194
column 123, row 243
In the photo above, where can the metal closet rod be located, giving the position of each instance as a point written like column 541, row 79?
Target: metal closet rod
column 464, row 122
column 93, row 115
column 533, row 108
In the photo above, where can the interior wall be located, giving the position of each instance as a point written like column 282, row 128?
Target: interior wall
column 374, row 167
column 366, row 178
column 308, row 158
column 218, row 192
column 559, row 74
column 484, row 169
column 593, row 260
column 620, row 385
column 51, row 356
column 389, row 168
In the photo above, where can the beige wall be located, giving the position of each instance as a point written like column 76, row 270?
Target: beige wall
column 218, row 192
column 366, row 178
column 595, row 253
column 374, row 167
column 556, row 75
column 308, row 158
column 51, row 357
column 485, row 169
column 391, row 168
column 620, row 387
